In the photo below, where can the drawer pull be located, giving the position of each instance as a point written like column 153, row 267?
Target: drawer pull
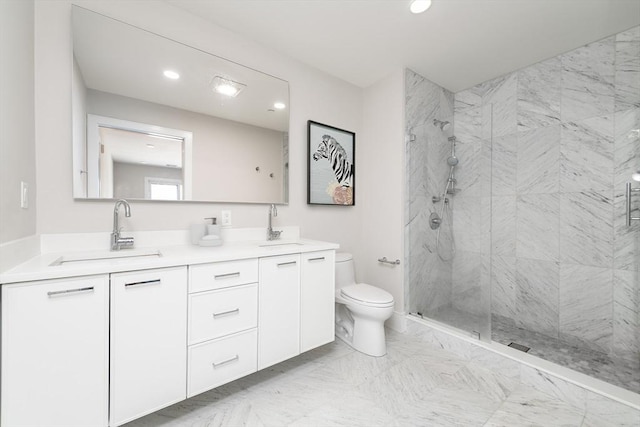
column 224, row 362
column 226, row 313
column 145, row 282
column 52, row 294
column 284, row 264
column 316, row 259
column 227, row 276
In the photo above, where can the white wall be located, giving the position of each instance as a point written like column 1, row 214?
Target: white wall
column 17, row 147
column 314, row 95
column 380, row 159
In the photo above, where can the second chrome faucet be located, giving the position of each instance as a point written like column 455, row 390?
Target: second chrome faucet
column 118, row 242
column 271, row 233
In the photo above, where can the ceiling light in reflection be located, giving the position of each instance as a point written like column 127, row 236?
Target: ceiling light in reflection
column 171, row 75
column 419, row 6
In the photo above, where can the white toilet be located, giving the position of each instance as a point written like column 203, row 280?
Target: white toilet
column 361, row 310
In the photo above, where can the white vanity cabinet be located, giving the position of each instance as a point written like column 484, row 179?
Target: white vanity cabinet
column 122, row 340
column 223, row 317
column 317, row 299
column 55, row 352
column 148, row 346
column 279, row 309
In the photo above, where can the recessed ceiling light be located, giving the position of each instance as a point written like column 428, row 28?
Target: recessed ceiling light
column 419, row 6
column 226, row 86
column 171, row 74
column 636, row 175
column 279, row 105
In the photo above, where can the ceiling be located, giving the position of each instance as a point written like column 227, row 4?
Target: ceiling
column 456, row 43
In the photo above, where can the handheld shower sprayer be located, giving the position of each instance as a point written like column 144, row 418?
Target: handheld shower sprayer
column 452, row 160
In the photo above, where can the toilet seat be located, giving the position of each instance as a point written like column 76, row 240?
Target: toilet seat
column 368, row 295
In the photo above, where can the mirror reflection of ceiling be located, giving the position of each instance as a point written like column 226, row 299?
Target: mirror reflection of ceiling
column 121, row 59
column 139, row 148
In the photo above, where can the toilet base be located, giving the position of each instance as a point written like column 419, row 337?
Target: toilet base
column 362, row 334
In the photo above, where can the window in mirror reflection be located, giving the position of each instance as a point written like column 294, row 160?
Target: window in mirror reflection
column 163, row 189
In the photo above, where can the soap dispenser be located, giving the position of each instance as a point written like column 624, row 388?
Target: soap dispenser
column 212, row 238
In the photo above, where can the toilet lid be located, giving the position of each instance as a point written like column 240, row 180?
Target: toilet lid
column 343, row 256
column 367, row 294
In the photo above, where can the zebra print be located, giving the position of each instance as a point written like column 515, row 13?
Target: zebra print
column 331, row 150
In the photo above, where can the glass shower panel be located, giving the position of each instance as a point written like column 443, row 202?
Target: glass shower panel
column 448, row 226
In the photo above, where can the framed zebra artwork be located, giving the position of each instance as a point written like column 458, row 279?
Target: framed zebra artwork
column 330, row 165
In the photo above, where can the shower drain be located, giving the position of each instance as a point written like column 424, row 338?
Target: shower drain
column 519, row 347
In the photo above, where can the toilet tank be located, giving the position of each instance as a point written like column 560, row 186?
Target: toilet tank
column 345, row 275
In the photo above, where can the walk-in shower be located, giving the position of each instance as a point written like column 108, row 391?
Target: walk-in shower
column 535, row 240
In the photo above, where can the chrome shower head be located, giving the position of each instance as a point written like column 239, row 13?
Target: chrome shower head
column 443, row 125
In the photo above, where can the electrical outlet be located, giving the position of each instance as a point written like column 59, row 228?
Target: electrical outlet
column 225, row 221
column 24, row 195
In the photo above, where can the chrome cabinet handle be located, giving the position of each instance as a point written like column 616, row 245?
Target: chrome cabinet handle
column 224, row 362
column 284, row 264
column 628, row 204
column 226, row 313
column 67, row 292
column 227, row 275
column 316, row 259
column 144, row 282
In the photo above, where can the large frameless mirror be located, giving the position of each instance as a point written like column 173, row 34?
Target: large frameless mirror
column 155, row 119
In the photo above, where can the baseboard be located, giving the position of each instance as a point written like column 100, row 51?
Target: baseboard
column 397, row 322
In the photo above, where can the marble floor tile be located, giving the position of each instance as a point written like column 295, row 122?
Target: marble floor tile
column 416, row 384
column 529, row 407
column 620, row 372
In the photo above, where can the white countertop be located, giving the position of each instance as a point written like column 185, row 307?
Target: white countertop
column 40, row 268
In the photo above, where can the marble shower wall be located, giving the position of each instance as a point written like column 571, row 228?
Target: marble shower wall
column 429, row 278
column 553, row 145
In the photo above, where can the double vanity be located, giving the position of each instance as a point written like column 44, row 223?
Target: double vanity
column 102, row 338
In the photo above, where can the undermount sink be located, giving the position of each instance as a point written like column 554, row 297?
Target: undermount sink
column 280, row 245
column 103, row 256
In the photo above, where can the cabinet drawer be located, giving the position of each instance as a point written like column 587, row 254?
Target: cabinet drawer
column 206, row 277
column 218, row 362
column 214, row 314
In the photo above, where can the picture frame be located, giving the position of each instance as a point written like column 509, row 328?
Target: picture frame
column 331, row 169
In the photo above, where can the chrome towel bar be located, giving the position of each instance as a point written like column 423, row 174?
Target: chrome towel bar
column 384, row 260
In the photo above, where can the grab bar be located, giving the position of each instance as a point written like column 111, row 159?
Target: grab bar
column 384, row 260
column 628, row 203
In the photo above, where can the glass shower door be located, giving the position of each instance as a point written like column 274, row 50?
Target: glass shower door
column 448, row 226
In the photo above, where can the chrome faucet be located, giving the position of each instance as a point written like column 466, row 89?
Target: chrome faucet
column 118, row 242
column 271, row 233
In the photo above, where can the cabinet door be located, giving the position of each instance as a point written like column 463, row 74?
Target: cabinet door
column 279, row 309
column 148, row 342
column 317, row 299
column 55, row 353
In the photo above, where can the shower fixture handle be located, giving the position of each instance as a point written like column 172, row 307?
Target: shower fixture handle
column 628, row 209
